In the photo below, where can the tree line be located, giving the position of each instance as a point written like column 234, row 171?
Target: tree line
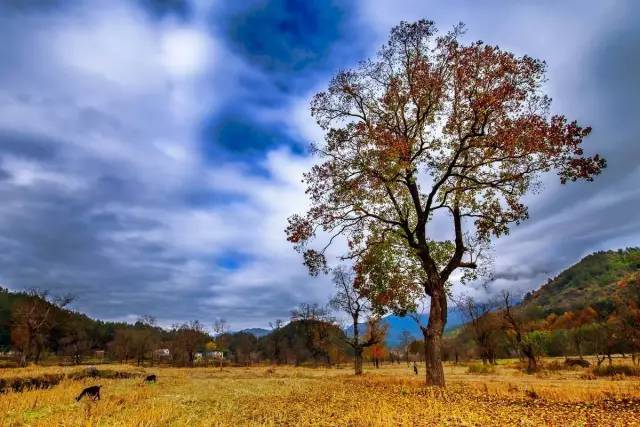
column 497, row 329
column 38, row 328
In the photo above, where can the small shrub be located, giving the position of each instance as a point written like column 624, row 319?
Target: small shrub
column 105, row 373
column 588, row 376
column 540, row 373
column 532, row 394
column 577, row 362
column 555, row 366
column 616, row 370
column 29, row 383
column 479, row 368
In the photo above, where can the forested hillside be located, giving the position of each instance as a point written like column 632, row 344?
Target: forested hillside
column 61, row 324
column 592, row 282
column 593, row 307
column 35, row 326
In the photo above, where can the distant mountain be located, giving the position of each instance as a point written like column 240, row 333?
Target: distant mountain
column 257, row 332
column 397, row 325
column 589, row 283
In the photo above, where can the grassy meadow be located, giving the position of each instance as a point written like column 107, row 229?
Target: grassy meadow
column 277, row 396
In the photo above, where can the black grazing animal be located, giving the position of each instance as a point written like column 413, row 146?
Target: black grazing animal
column 92, row 392
column 151, row 378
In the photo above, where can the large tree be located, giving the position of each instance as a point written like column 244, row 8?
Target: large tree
column 432, row 129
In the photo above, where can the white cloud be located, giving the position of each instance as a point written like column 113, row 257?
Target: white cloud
column 122, row 121
column 185, row 51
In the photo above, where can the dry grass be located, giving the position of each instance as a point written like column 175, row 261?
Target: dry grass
column 305, row 396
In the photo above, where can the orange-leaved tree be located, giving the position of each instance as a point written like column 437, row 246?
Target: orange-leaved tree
column 431, row 129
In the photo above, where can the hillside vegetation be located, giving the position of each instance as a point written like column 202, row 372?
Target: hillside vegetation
column 592, row 282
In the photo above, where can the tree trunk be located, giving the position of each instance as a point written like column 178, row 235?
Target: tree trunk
column 357, row 361
column 532, row 362
column 433, row 360
column 579, row 351
column 433, row 338
column 276, row 351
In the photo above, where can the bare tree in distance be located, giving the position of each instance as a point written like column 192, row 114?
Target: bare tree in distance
column 32, row 320
column 276, row 327
column 220, row 327
column 351, row 301
column 190, row 336
column 310, row 311
column 516, row 325
column 75, row 340
column 406, row 340
column 143, row 340
column 484, row 325
column 316, row 324
column 147, row 320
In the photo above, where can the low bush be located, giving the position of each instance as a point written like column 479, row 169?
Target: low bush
column 104, row 373
column 555, row 366
column 19, row 384
column 29, row 383
column 479, row 368
column 616, row 370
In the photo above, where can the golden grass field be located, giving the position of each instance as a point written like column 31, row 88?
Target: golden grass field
column 283, row 396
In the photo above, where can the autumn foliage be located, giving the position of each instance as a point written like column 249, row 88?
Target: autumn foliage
column 429, row 128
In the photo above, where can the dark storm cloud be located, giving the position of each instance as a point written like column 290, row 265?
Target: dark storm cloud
column 163, row 8
column 4, row 174
column 30, row 146
column 244, row 136
column 286, row 36
column 289, row 46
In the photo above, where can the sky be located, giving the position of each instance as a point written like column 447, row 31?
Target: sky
column 151, row 150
